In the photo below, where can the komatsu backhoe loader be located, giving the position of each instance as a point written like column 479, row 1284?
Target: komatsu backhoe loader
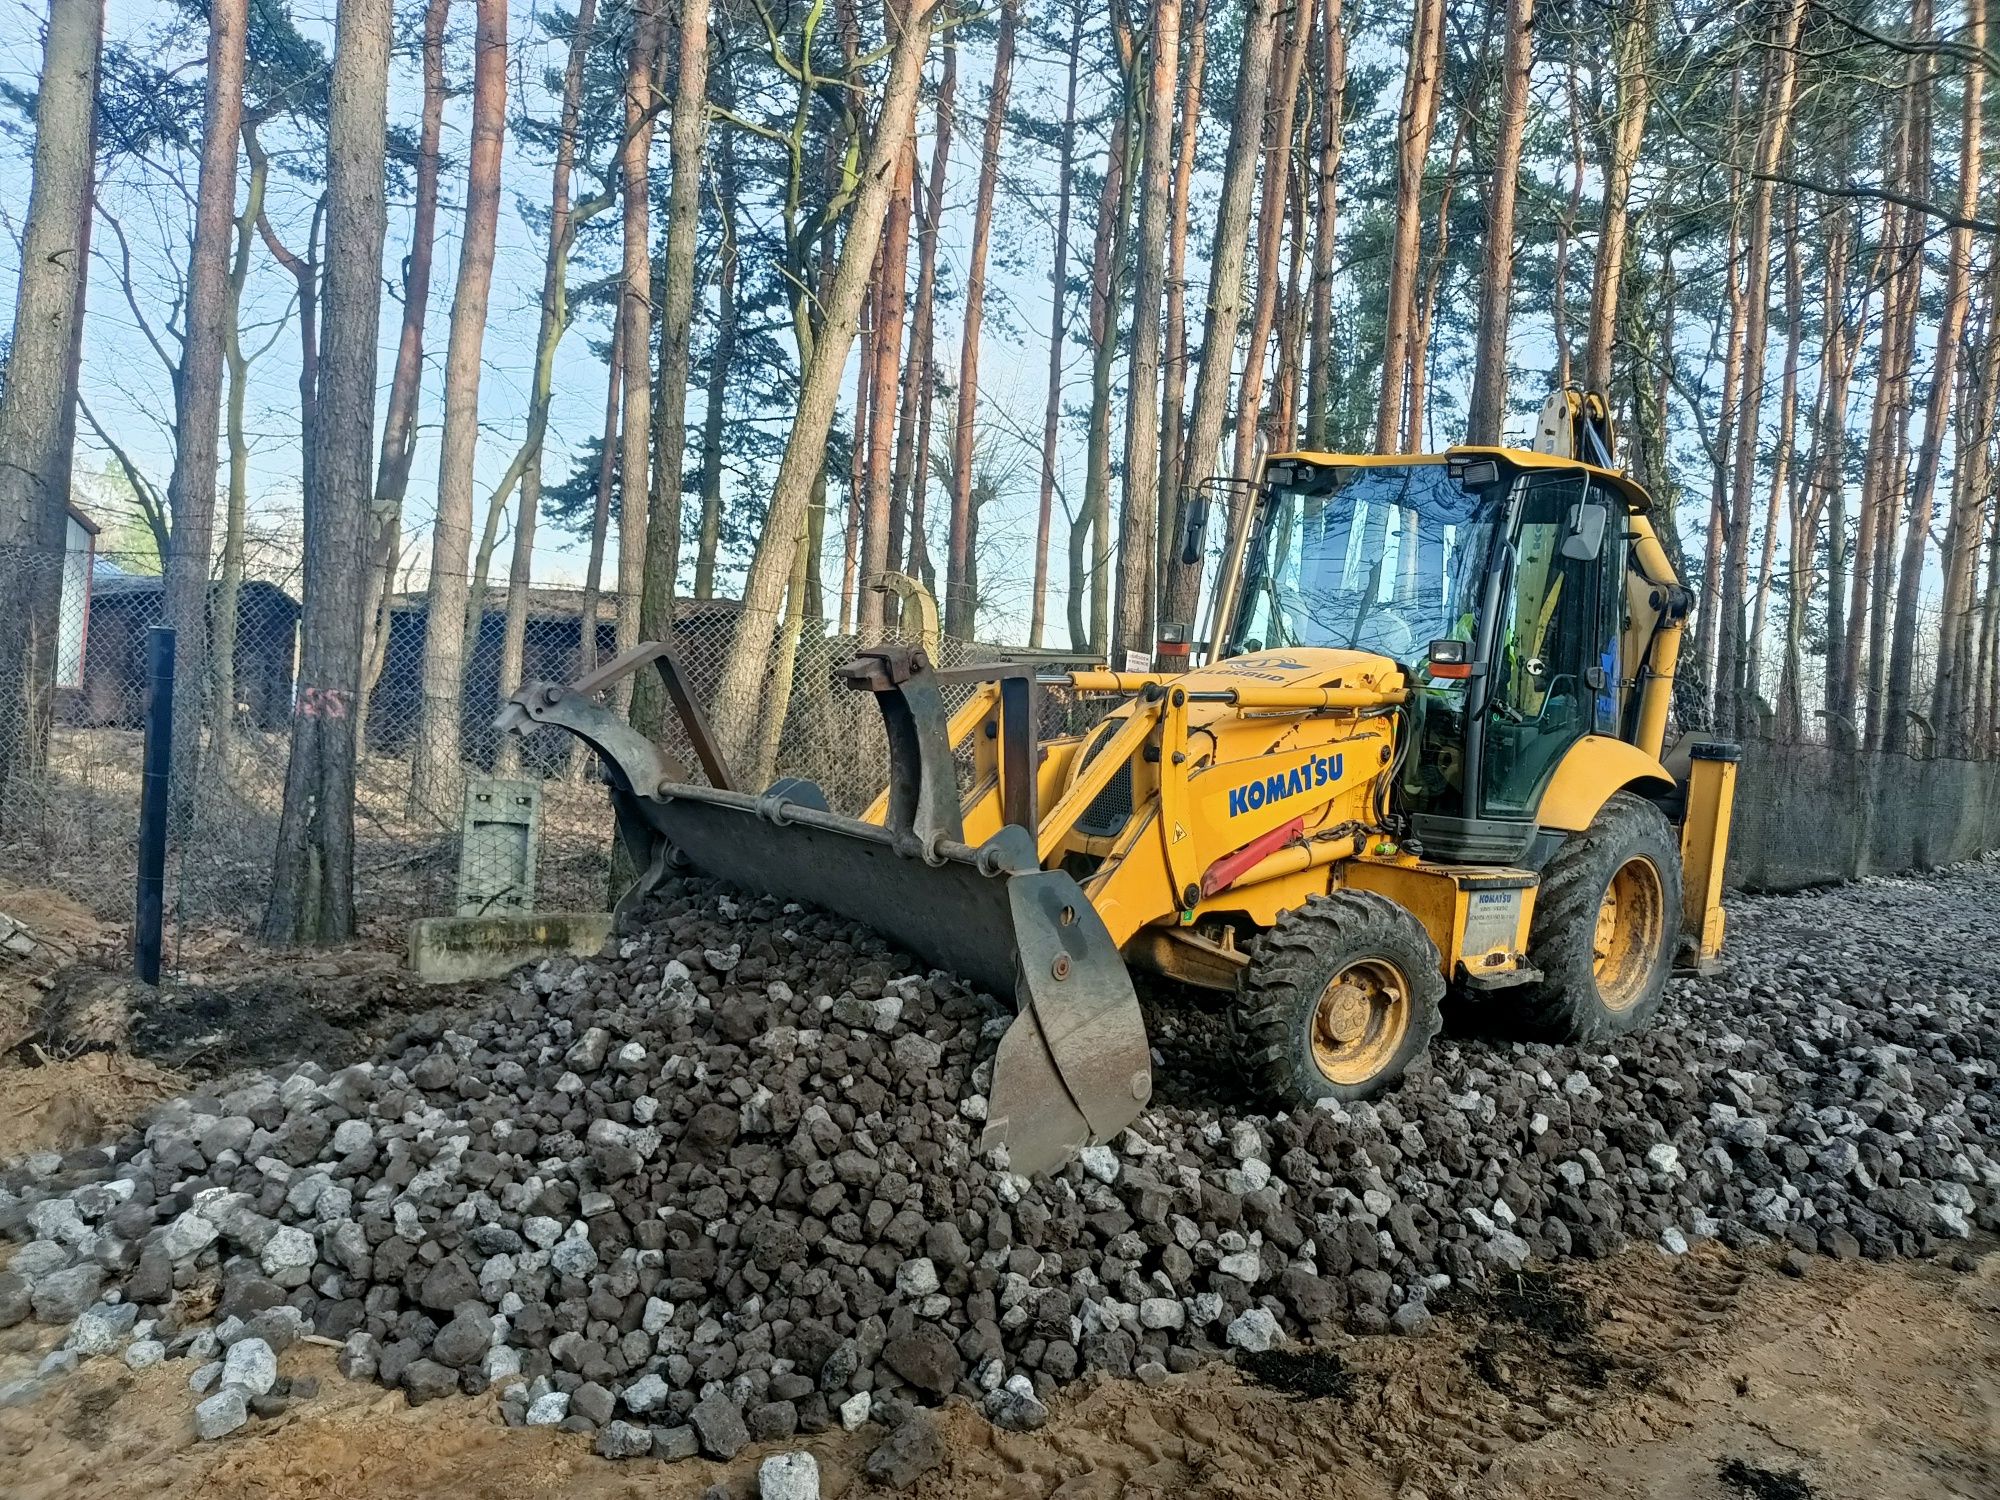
column 1423, row 752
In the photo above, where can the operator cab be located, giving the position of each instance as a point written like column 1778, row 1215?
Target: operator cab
column 1497, row 579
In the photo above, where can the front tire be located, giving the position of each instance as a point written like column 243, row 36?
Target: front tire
column 1606, row 920
column 1342, row 997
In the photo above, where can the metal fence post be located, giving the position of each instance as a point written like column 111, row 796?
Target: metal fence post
column 158, row 769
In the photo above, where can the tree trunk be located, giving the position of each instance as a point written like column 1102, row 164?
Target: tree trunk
column 1173, row 399
column 312, row 877
column 1828, row 478
column 1420, row 339
column 1319, row 339
column 1989, row 693
column 1090, row 546
column 1895, row 367
column 724, row 350
column 526, row 467
column 435, row 771
column 686, row 138
column 1414, row 123
column 1846, row 710
column 1059, row 293
column 1732, row 653
column 1488, row 407
column 1270, row 237
column 229, row 582
column 38, row 400
column 1783, row 491
column 198, row 395
column 635, row 311
column 1566, row 232
column 1225, row 291
column 399, row 422
column 1632, row 64
column 784, row 669
column 904, row 423
column 884, row 374
column 1283, row 430
column 913, row 460
column 1708, row 605
column 607, row 481
column 859, row 456
column 553, row 322
column 1957, row 711
column 959, row 605
column 738, row 691
column 912, row 477
column 1138, row 520
column 881, row 521
column 1902, row 697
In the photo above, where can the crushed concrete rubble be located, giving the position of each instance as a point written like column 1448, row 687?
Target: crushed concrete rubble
column 722, row 1188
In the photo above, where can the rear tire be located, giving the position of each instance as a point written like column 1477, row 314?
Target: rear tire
column 1607, row 917
column 1341, row 997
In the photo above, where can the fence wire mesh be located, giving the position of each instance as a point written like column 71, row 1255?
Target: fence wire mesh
column 452, row 815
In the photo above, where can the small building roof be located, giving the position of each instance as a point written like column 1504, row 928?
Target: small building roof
column 548, row 603
column 109, row 581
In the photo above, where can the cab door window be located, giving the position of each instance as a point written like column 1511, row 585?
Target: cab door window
column 1553, row 634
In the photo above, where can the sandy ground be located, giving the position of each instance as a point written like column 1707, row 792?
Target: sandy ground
column 1711, row 1376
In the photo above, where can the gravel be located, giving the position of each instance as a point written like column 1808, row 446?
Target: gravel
column 722, row 1187
column 221, row 1414
column 251, row 1366
column 788, row 1476
column 60, row 1296
column 912, row 1449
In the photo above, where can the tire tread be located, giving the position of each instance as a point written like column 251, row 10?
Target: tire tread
column 1290, row 966
column 1563, row 1005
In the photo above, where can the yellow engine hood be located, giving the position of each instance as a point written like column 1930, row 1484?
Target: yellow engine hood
column 1232, row 732
column 1307, row 666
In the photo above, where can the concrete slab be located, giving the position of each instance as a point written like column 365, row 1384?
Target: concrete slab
column 447, row 950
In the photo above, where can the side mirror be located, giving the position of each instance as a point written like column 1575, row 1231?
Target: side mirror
column 1583, row 538
column 1450, row 660
column 1194, row 524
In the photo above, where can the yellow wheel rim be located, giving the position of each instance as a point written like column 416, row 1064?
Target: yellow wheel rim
column 1631, row 924
column 1360, row 1021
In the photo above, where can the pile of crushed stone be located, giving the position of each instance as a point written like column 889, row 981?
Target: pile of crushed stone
column 724, row 1187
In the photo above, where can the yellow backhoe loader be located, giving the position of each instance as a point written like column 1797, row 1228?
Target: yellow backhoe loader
column 1423, row 752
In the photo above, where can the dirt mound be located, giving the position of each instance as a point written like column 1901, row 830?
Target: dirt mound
column 245, row 1013
column 42, row 932
column 65, row 1103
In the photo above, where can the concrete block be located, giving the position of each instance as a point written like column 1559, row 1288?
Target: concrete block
column 446, row 950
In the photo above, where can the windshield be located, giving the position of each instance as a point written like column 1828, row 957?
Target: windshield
column 1381, row 558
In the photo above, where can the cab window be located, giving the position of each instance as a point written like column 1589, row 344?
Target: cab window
column 1555, row 649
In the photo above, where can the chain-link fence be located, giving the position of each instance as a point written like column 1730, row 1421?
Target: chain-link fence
column 452, row 815
column 69, row 806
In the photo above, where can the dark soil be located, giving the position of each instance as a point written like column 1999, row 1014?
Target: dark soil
column 1536, row 1301
column 1308, row 1375
column 1529, row 1325
column 1765, row 1484
column 334, row 1010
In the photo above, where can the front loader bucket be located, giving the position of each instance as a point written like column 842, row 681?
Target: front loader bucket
column 1073, row 1068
